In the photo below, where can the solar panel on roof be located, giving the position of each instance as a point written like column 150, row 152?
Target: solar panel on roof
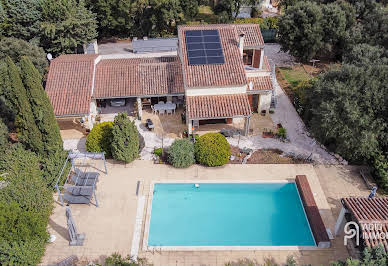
column 204, row 47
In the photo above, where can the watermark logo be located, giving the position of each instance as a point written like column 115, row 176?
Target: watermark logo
column 351, row 230
column 373, row 230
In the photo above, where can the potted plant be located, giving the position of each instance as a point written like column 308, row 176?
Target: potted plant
column 267, row 133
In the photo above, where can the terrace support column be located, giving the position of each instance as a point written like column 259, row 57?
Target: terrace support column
column 189, row 126
column 246, row 125
column 139, row 108
column 261, row 59
column 340, row 220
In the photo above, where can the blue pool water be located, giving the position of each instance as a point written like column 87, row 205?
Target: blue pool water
column 228, row 215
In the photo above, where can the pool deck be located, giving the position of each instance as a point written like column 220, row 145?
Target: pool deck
column 110, row 227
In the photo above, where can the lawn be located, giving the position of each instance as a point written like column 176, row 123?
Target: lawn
column 293, row 75
column 206, row 15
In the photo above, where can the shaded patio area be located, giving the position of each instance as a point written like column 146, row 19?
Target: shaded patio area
column 172, row 126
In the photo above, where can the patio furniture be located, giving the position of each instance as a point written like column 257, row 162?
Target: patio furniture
column 149, row 124
column 161, row 102
column 161, row 108
column 169, row 102
column 75, row 238
column 79, row 185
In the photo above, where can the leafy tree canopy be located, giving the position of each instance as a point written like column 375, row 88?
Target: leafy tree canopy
column 22, row 19
column 16, row 48
column 350, row 110
column 66, row 25
column 114, row 16
column 301, row 31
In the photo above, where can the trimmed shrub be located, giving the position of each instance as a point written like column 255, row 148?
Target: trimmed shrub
column 181, row 153
column 100, row 139
column 282, row 133
column 212, row 149
column 158, row 152
column 125, row 142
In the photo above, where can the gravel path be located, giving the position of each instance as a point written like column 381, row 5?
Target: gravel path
column 272, row 51
column 300, row 143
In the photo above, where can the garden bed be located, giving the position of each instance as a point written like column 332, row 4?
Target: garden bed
column 272, row 156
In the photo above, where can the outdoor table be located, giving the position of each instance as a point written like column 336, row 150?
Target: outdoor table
column 166, row 106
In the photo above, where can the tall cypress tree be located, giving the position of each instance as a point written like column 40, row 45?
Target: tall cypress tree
column 14, row 93
column 41, row 107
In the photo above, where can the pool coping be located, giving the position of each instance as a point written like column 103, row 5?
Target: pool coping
column 215, row 248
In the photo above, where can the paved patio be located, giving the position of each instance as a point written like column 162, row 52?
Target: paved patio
column 171, row 125
column 109, row 228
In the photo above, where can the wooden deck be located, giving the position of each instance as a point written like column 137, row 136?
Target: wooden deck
column 316, row 223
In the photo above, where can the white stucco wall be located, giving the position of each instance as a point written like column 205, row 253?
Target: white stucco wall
column 216, row 91
column 264, row 102
column 238, row 120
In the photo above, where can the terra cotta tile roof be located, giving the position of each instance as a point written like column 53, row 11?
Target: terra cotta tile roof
column 370, row 211
column 231, row 73
column 138, row 77
column 253, row 37
column 69, row 84
column 213, row 106
column 260, row 83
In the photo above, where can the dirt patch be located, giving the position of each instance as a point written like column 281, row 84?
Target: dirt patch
column 272, row 156
column 238, row 155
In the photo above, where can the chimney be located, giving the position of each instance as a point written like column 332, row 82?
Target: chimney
column 241, row 43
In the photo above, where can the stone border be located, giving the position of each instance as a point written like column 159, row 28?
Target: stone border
column 137, row 228
column 215, row 248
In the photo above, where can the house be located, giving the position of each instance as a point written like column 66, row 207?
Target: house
column 220, row 70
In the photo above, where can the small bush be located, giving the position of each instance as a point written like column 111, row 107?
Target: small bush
column 125, row 142
column 212, row 149
column 282, row 133
column 117, row 260
column 158, row 152
column 181, row 153
column 100, row 139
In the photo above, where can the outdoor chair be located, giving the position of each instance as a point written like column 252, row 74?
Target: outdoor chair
column 161, row 112
column 161, row 102
column 149, row 124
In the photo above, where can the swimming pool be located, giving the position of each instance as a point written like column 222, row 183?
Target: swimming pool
column 254, row 214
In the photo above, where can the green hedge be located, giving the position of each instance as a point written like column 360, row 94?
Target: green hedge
column 25, row 206
column 212, row 149
column 181, row 153
column 100, row 139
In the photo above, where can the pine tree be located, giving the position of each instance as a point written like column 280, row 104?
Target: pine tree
column 66, row 25
column 41, row 107
column 15, row 96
